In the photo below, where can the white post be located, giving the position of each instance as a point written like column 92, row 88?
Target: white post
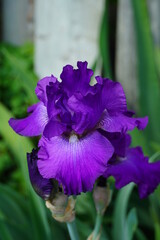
column 66, row 31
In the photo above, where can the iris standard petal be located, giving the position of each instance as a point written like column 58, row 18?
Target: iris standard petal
column 119, row 122
column 112, row 95
column 54, row 128
column 53, row 95
column 76, row 80
column 87, row 109
column 32, row 125
column 42, row 186
column 41, row 87
column 135, row 168
column 106, row 95
column 74, row 163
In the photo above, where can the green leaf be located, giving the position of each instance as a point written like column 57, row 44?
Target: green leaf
column 85, row 207
column 148, row 75
column 24, row 76
column 14, row 214
column 11, row 210
column 139, row 139
column 131, row 224
column 104, row 43
column 140, row 235
column 4, row 232
column 19, row 147
column 157, row 231
column 120, row 212
column 16, row 197
column 155, row 212
column 157, row 56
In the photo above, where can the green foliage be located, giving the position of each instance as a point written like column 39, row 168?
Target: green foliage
column 147, row 66
column 19, row 218
column 145, row 218
column 85, row 207
column 17, row 81
column 124, row 226
column 149, row 85
column 104, row 43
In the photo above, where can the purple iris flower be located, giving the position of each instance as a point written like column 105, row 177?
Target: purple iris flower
column 79, row 124
column 130, row 165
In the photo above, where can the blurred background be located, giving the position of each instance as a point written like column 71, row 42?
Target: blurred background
column 121, row 40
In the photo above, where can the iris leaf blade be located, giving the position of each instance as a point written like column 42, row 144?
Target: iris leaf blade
column 120, row 213
column 148, row 75
column 19, row 146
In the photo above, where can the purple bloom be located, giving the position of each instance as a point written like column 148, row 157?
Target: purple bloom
column 76, row 163
column 134, row 167
column 42, row 187
column 78, row 123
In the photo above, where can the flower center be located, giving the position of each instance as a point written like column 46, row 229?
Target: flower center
column 73, row 138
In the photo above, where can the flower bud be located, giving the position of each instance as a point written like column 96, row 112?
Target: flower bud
column 42, row 186
column 62, row 208
column 102, row 197
column 60, row 205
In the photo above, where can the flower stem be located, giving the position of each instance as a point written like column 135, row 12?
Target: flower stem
column 97, row 226
column 72, row 229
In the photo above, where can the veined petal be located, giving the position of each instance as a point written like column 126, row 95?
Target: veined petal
column 32, row 125
column 54, row 128
column 107, row 95
column 121, row 123
column 112, row 96
column 74, row 163
column 135, row 168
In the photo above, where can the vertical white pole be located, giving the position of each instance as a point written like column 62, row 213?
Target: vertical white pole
column 66, row 31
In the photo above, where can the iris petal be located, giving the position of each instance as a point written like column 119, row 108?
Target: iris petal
column 54, row 128
column 112, row 95
column 119, row 141
column 135, row 168
column 41, row 87
column 119, row 122
column 76, row 80
column 42, row 186
column 106, row 94
column 75, row 164
column 87, row 109
column 32, row 125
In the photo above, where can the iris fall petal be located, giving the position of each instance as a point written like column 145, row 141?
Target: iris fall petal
column 74, row 163
column 34, row 124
